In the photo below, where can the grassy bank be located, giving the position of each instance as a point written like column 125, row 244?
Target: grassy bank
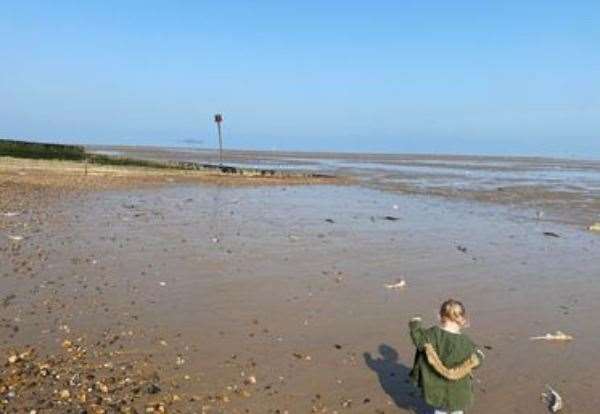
column 47, row 151
column 37, row 150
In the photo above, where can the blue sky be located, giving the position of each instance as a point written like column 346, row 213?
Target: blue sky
column 505, row 77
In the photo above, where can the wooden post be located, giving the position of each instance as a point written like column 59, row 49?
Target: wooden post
column 219, row 120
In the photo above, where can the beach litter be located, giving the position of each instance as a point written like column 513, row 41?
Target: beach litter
column 346, row 403
column 15, row 238
column 400, row 283
column 8, row 299
column 298, row 355
column 390, row 218
column 553, row 399
column 462, row 249
column 11, row 214
column 594, row 227
column 557, row 336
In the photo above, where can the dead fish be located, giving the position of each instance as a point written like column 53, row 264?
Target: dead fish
column 551, row 234
column 557, row 336
column 553, row 399
column 594, row 227
column 398, row 285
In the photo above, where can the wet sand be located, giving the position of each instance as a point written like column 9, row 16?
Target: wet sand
column 215, row 286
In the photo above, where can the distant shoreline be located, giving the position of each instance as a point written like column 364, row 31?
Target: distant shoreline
column 342, row 154
column 549, row 189
column 315, row 153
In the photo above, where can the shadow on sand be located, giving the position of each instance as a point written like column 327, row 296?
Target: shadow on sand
column 393, row 377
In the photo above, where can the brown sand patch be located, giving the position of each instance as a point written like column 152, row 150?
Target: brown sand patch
column 29, row 184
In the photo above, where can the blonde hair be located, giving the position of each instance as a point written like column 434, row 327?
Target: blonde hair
column 453, row 310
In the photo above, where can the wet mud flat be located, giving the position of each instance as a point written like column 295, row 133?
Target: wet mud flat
column 195, row 297
column 559, row 190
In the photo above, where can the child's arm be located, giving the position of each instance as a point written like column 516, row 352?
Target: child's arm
column 478, row 353
column 416, row 332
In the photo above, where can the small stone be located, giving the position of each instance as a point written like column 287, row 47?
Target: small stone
column 102, row 387
column 152, row 389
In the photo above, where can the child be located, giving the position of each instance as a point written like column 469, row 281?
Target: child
column 444, row 360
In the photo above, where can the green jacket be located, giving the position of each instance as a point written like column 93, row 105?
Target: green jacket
column 442, row 366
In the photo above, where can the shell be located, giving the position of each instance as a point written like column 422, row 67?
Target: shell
column 557, row 336
column 398, row 285
column 553, row 399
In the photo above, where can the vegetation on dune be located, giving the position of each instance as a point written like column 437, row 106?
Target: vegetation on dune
column 47, row 151
column 108, row 160
column 23, row 149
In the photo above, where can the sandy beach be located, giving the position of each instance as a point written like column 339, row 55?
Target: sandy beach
column 232, row 298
